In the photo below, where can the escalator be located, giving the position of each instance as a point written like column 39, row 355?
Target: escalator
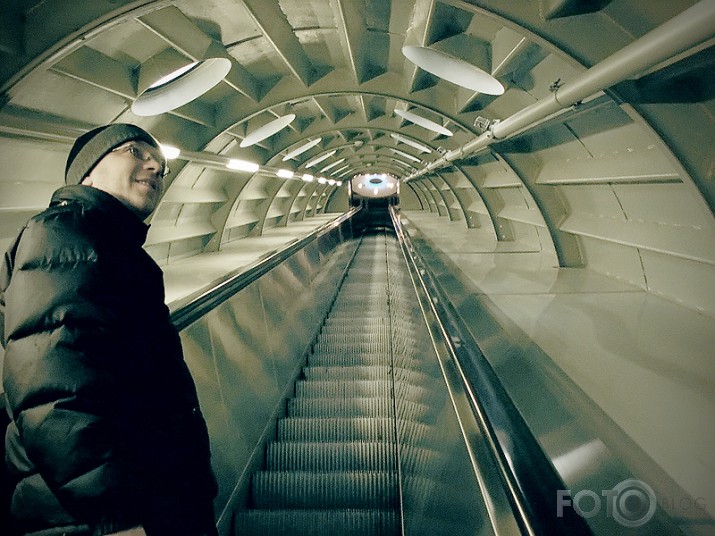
column 367, row 444
column 345, row 394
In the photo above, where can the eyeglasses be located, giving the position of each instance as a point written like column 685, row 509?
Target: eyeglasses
column 144, row 155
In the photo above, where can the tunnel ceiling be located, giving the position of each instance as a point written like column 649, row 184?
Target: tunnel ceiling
column 607, row 168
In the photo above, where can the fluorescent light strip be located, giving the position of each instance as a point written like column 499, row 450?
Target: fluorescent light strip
column 242, row 165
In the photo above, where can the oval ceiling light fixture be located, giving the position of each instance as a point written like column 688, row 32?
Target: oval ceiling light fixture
column 267, row 130
column 331, row 166
column 406, row 155
column 411, row 143
column 453, row 69
column 285, row 173
column 423, row 122
column 321, row 158
column 302, row 149
column 174, row 90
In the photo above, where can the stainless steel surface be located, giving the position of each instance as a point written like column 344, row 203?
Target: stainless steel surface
column 245, row 354
column 590, row 451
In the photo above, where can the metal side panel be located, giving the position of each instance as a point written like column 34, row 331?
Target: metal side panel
column 245, row 353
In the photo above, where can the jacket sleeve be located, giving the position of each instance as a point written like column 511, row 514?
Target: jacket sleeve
column 62, row 372
column 5, row 272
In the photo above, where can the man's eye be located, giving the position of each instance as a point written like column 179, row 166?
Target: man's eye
column 135, row 152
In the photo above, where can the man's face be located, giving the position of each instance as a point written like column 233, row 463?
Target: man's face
column 133, row 173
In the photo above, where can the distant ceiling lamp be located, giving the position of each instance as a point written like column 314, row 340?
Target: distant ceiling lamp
column 181, row 86
column 321, row 158
column 302, row 149
column 267, row 130
column 307, row 177
column 453, row 69
column 406, row 155
column 423, row 122
column 285, row 173
column 322, row 180
column 411, row 143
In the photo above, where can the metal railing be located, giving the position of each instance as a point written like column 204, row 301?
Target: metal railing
column 196, row 305
column 525, row 472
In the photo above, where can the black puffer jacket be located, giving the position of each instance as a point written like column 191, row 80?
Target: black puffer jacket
column 107, row 433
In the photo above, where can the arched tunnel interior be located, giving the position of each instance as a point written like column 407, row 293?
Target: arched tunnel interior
column 516, row 198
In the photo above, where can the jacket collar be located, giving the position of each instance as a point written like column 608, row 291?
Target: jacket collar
column 94, row 198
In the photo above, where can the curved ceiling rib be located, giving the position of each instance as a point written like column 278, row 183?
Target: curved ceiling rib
column 338, row 66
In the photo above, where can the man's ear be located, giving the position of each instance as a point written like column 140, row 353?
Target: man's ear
column 87, row 181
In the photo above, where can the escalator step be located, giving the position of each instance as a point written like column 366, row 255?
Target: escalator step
column 358, row 315
column 354, row 338
column 333, row 358
column 348, row 456
column 325, row 408
column 342, row 407
column 351, row 348
column 355, row 324
column 317, row 523
column 333, row 389
column 337, row 489
column 336, row 429
column 340, row 372
column 361, row 388
column 357, row 372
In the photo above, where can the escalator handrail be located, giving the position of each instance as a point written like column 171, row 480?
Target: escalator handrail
column 528, row 475
column 196, row 305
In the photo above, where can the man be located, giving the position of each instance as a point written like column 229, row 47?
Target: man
column 106, row 434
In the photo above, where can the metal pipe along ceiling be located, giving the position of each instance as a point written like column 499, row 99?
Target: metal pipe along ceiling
column 688, row 29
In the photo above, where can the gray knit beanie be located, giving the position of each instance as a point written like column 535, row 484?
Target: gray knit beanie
column 91, row 147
